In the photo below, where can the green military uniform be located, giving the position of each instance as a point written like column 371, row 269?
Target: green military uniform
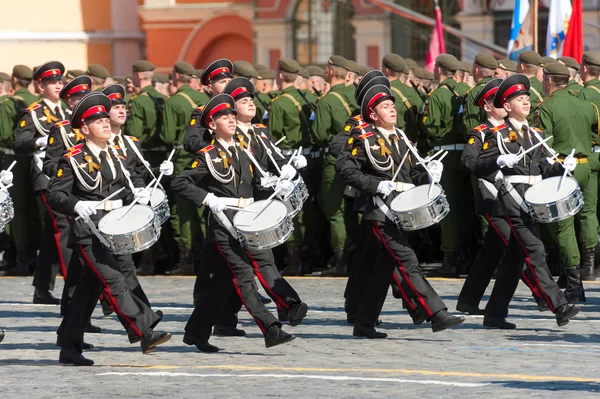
column 26, row 225
column 202, row 98
column 570, row 121
column 474, row 115
column 441, row 121
column 536, row 95
column 573, row 65
column 145, row 118
column 185, row 216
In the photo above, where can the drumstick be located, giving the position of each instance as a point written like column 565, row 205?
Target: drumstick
column 400, row 166
column 135, row 200
column 281, row 140
column 443, row 156
column 161, row 173
column 235, row 208
column 534, row 147
column 11, row 166
column 565, row 172
column 106, row 199
column 92, row 227
column 267, row 202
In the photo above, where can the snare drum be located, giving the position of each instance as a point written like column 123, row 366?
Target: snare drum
column 414, row 209
column 7, row 211
column 137, row 230
column 272, row 228
column 160, row 204
column 295, row 200
column 547, row 204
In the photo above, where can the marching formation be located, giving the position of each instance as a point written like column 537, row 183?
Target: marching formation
column 238, row 173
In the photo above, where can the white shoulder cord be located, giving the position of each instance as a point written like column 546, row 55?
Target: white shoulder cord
column 137, row 152
column 219, row 176
column 382, row 166
column 75, row 167
column 36, row 122
column 126, row 173
column 65, row 137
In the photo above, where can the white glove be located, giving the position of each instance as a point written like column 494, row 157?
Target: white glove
column 284, row 188
column 6, row 177
column 166, row 168
column 142, row 194
column 570, row 163
column 86, row 208
column 288, row 172
column 435, row 169
column 508, row 160
column 213, row 203
column 386, row 187
column 299, row 162
column 42, row 141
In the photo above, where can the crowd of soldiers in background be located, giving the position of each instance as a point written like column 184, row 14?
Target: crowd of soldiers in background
column 326, row 233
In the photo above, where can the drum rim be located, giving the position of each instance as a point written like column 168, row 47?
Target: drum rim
column 567, row 196
column 431, row 201
column 132, row 232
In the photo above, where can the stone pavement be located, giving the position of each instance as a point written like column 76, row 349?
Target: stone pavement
column 539, row 359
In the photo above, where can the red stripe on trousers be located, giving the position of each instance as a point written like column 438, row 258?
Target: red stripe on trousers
column 239, row 292
column 403, row 272
column 56, row 236
column 530, row 266
column 278, row 301
column 111, row 299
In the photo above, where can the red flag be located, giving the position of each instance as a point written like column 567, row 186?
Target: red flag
column 436, row 45
column 573, row 46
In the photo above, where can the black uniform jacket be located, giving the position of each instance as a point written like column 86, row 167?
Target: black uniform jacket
column 364, row 173
column 78, row 178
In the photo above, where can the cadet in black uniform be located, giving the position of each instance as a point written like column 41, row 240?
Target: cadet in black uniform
column 511, row 174
column 32, row 139
column 222, row 174
column 377, row 151
column 88, row 173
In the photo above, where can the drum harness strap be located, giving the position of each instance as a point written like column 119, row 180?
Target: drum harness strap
column 240, row 203
column 139, row 154
column 125, row 171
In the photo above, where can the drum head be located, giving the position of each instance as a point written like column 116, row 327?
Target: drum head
column 138, row 217
column 269, row 218
column 546, row 191
column 158, row 197
column 415, row 198
column 3, row 196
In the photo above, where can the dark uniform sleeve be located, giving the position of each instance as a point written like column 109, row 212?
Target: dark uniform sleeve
column 471, row 151
column 54, row 151
column 486, row 163
column 25, row 136
column 194, row 135
column 187, row 183
column 59, row 191
column 350, row 167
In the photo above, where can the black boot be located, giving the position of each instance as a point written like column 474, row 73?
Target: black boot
column 185, row 266
column 151, row 339
column 362, row 330
column 44, row 297
column 587, row 264
column 562, row 279
column 565, row 313
column 1, row 335
column 276, row 336
column 339, row 266
column 574, row 291
column 443, row 320
column 449, row 266
column 293, row 261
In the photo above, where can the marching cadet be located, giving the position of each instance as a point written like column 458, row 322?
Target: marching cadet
column 145, row 113
column 511, row 171
column 529, row 65
column 25, row 227
column 407, row 110
column 334, row 109
column 378, row 149
column 441, row 120
column 483, row 70
column 220, row 175
column 573, row 86
column 32, row 139
column 288, row 120
column 215, row 77
column 570, row 121
column 86, row 175
column 99, row 75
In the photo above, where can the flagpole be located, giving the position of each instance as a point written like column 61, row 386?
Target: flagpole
column 534, row 15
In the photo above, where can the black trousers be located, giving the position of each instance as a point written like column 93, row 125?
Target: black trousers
column 102, row 274
column 526, row 246
column 393, row 251
column 363, row 263
column 233, row 271
column 54, row 252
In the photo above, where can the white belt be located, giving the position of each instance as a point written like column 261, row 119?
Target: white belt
column 490, row 187
column 239, row 202
column 178, row 147
column 305, row 151
column 400, row 186
column 449, row 147
column 160, row 148
column 518, row 179
column 111, row 205
column 596, row 148
column 7, row 151
column 384, row 208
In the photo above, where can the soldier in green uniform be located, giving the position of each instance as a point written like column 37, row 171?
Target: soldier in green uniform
column 483, row 71
column 185, row 216
column 289, row 120
column 316, row 80
column 462, row 87
column 160, row 82
column 5, row 86
column 334, row 109
column 442, row 121
column 573, row 86
column 505, row 69
column 99, row 74
column 26, row 226
column 72, row 74
column 145, row 113
column 202, row 97
column 529, row 65
column 570, row 121
column 264, row 84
